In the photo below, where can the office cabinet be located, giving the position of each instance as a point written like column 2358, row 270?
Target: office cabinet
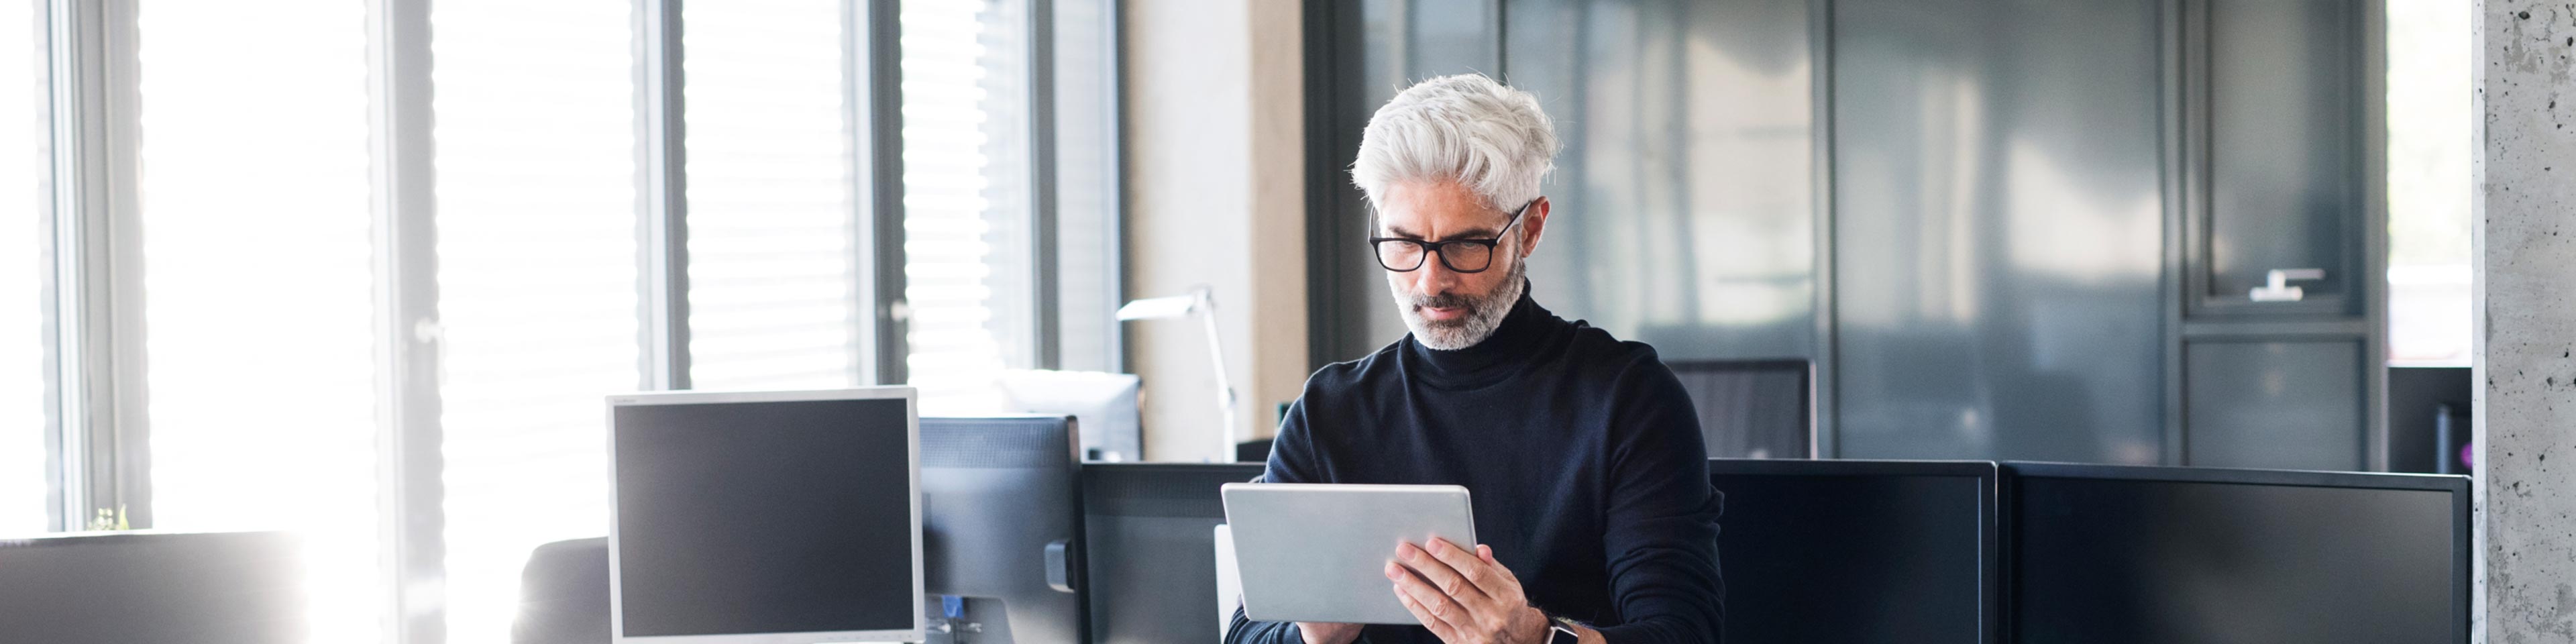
column 2283, row 236
column 2275, row 404
column 1997, row 204
column 2010, row 229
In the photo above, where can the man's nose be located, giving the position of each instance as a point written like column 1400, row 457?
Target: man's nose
column 1433, row 276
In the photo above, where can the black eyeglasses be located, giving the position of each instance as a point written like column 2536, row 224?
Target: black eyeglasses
column 1404, row 255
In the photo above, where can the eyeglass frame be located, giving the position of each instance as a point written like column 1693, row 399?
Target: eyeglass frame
column 1430, row 248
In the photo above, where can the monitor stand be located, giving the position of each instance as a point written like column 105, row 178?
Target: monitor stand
column 968, row 620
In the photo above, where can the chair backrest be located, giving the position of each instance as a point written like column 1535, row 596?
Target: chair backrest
column 563, row 594
column 1753, row 408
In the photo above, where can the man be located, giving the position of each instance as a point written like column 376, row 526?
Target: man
column 1581, row 452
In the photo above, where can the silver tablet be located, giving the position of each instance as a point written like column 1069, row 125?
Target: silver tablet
column 1318, row 553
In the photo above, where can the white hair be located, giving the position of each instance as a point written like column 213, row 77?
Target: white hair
column 1466, row 128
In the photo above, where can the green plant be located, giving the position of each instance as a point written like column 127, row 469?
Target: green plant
column 110, row 519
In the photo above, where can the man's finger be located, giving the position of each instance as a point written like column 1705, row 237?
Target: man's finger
column 1442, row 574
column 1433, row 605
column 1476, row 572
column 1487, row 552
column 1438, row 628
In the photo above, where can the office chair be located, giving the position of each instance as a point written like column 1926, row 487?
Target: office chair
column 1752, row 408
column 563, row 594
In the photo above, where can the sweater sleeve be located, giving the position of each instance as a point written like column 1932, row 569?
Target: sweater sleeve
column 1661, row 517
column 1291, row 460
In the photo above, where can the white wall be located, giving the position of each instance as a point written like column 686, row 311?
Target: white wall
column 1215, row 192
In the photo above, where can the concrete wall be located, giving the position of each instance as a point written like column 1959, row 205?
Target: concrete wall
column 1215, row 193
column 2526, row 340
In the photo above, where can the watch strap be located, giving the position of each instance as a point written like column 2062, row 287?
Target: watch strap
column 1561, row 631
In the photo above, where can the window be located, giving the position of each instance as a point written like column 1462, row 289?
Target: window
column 966, row 204
column 257, row 302
column 774, row 293
column 23, row 490
column 2429, row 310
column 537, row 282
column 261, row 285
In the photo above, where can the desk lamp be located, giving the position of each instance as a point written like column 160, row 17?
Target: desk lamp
column 1200, row 302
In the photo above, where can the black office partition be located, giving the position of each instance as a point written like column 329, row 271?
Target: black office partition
column 125, row 588
column 1149, row 531
column 1826, row 552
column 2113, row 555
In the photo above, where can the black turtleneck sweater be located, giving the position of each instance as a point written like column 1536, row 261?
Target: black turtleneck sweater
column 1581, row 453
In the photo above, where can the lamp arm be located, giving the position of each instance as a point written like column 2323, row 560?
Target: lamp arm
column 1205, row 309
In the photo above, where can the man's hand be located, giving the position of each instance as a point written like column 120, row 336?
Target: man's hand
column 1464, row 597
column 1328, row 633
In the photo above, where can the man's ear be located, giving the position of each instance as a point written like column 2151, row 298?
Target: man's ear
column 1534, row 226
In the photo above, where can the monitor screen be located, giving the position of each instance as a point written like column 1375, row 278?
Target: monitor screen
column 2111, row 560
column 765, row 517
column 1844, row 551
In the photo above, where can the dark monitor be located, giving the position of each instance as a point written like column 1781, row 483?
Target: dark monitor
column 1752, row 408
column 152, row 588
column 1150, row 539
column 2114, row 555
column 1836, row 551
column 1002, row 538
column 766, row 517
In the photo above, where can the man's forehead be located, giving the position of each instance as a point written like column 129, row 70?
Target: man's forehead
column 1472, row 226
column 1446, row 218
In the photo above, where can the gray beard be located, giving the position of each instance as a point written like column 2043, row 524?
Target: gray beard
column 1483, row 314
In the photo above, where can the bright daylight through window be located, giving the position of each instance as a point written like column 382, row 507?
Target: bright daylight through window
column 2428, row 184
column 537, row 282
column 262, row 384
column 23, row 491
column 774, row 293
column 256, row 295
column 965, row 199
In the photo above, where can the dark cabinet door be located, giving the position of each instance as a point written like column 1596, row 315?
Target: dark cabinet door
column 2280, row 232
column 2285, row 404
column 2281, row 322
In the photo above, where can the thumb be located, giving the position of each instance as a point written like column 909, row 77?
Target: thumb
column 1486, row 552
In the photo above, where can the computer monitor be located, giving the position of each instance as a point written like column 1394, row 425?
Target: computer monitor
column 1752, row 408
column 2114, row 555
column 146, row 586
column 1105, row 403
column 765, row 517
column 1003, row 546
column 1859, row 551
column 1150, row 540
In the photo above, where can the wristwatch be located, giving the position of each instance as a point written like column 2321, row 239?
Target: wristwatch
column 1561, row 631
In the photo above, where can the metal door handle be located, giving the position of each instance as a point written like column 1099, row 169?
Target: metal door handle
column 2276, row 284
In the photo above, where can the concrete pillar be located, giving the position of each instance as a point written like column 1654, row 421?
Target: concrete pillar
column 1215, row 136
column 2526, row 339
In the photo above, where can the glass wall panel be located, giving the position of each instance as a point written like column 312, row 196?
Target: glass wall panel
column 1995, row 168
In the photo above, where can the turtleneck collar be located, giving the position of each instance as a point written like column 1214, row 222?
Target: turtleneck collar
column 1496, row 357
